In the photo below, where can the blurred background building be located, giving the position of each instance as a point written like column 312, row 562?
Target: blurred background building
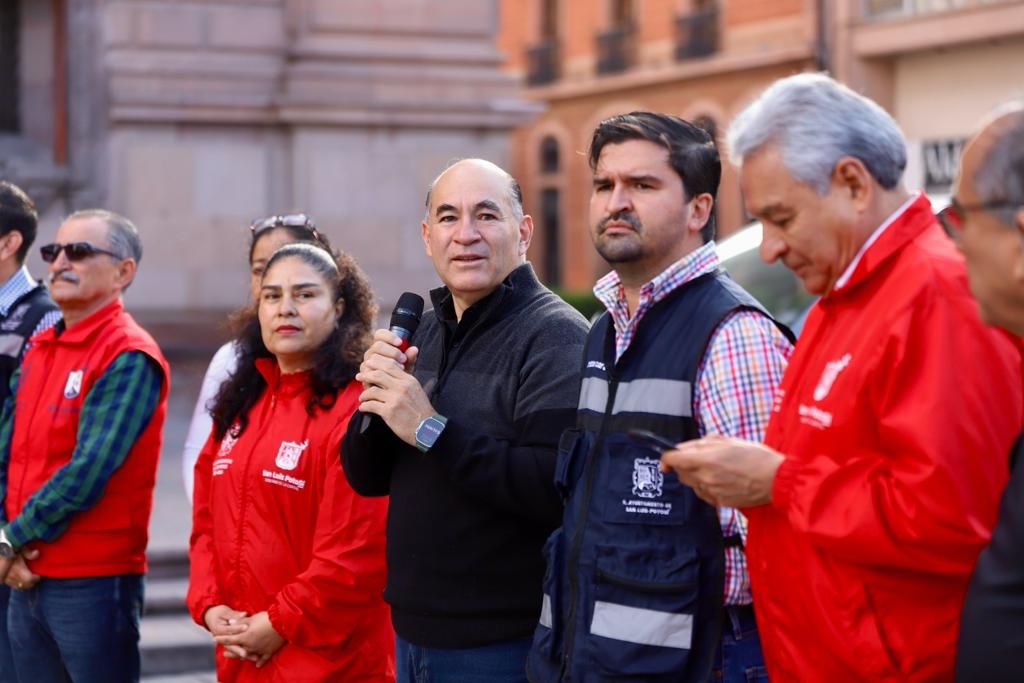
column 192, row 117
column 936, row 65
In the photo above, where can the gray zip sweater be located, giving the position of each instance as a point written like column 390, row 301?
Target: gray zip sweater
column 468, row 519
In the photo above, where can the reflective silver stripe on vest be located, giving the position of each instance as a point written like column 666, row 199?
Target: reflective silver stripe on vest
column 642, row 626
column 545, row 611
column 10, row 344
column 669, row 397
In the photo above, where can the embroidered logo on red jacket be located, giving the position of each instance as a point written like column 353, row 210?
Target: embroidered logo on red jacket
column 73, row 385
column 289, row 453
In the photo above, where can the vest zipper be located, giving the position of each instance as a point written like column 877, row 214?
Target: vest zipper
column 577, row 541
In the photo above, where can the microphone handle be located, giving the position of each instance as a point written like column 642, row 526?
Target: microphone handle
column 404, row 335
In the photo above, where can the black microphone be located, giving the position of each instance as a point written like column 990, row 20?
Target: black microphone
column 404, row 321
column 406, row 317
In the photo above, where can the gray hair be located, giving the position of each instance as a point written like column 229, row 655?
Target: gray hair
column 815, row 121
column 122, row 235
column 1000, row 175
column 515, row 193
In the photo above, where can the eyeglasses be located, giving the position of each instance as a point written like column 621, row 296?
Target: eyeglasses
column 291, row 220
column 75, row 251
column 952, row 217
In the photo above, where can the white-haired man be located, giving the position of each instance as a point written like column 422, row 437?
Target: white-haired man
column 865, row 515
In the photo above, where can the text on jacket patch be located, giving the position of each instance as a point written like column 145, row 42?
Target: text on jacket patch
column 648, row 481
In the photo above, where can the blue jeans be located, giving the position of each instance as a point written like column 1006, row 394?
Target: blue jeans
column 499, row 663
column 739, row 657
column 82, row 630
column 6, row 662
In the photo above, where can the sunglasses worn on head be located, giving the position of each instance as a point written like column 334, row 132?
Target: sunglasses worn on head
column 952, row 217
column 75, row 251
column 291, row 220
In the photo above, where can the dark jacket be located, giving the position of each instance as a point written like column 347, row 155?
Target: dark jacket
column 16, row 327
column 467, row 520
column 992, row 624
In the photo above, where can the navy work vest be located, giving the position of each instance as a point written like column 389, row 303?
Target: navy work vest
column 635, row 575
column 16, row 327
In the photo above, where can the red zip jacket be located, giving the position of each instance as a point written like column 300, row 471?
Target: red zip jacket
column 276, row 527
column 895, row 416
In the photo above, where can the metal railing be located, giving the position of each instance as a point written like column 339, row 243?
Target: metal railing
column 542, row 63
column 615, row 50
column 697, row 33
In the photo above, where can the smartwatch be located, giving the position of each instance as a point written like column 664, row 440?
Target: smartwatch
column 429, row 430
column 7, row 550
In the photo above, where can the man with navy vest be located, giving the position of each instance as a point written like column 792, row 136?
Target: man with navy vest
column 645, row 581
column 25, row 309
column 78, row 454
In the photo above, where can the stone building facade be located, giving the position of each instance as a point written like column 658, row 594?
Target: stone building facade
column 193, row 117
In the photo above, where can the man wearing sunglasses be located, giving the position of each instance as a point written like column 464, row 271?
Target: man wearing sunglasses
column 881, row 469
column 78, row 455
column 25, row 309
column 987, row 219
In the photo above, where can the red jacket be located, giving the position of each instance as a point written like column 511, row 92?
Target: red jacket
column 110, row 537
column 276, row 527
column 895, row 416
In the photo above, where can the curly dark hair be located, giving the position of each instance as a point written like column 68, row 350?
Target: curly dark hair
column 335, row 362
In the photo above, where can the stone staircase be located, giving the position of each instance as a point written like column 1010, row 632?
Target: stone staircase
column 174, row 648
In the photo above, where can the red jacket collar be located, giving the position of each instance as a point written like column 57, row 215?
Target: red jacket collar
column 84, row 330
column 290, row 383
column 914, row 220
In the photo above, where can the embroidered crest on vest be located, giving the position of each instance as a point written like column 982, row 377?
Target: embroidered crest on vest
column 289, row 453
column 73, row 385
column 828, row 377
column 647, row 478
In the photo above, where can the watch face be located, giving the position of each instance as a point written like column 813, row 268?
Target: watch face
column 428, row 432
column 6, row 551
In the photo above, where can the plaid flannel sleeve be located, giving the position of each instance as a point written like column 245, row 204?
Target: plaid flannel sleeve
column 736, row 384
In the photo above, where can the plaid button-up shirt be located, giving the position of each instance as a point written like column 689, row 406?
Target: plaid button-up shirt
column 735, row 383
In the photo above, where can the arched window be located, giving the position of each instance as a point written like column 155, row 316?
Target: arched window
column 549, row 155
column 550, row 214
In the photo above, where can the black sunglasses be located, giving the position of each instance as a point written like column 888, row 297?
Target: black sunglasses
column 75, row 251
column 952, row 217
column 291, row 220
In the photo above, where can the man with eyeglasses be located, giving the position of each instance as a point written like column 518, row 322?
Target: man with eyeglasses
column 881, row 469
column 987, row 220
column 26, row 309
column 79, row 444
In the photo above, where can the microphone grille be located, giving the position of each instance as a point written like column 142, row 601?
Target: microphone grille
column 407, row 311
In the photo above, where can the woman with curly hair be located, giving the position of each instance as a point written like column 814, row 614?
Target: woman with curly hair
column 287, row 562
column 266, row 235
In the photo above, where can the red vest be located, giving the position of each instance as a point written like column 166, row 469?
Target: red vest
column 56, row 375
